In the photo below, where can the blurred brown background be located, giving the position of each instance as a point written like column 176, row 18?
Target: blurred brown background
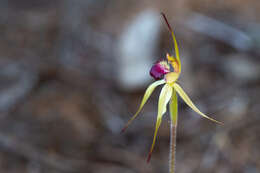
column 73, row 72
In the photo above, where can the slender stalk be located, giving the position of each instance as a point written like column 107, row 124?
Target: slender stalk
column 173, row 134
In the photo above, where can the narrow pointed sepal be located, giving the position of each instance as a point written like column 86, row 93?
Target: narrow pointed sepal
column 174, row 108
column 188, row 101
column 164, row 98
column 174, row 41
column 146, row 96
column 176, row 51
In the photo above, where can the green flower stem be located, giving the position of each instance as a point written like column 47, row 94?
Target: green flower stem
column 173, row 134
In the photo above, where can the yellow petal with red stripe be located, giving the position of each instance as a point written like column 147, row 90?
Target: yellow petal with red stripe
column 164, row 98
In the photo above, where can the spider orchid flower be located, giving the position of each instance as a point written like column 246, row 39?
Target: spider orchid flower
column 167, row 72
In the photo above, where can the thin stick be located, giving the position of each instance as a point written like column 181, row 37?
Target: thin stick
column 173, row 134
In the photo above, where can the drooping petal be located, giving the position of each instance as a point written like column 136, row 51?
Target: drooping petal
column 174, row 108
column 187, row 100
column 147, row 94
column 164, row 98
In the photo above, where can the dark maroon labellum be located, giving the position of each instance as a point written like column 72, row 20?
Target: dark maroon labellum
column 159, row 69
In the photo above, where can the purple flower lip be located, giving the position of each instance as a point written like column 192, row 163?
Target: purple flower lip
column 159, row 69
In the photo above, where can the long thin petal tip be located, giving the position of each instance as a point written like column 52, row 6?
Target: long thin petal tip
column 220, row 123
column 149, row 157
column 124, row 129
column 169, row 26
column 215, row 121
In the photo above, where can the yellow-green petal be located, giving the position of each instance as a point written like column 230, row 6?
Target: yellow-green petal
column 164, row 98
column 188, row 101
column 174, row 108
column 174, row 41
column 176, row 50
column 146, row 96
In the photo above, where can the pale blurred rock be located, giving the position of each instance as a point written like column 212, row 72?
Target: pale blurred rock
column 241, row 68
column 136, row 49
column 253, row 32
column 220, row 31
column 16, row 82
column 238, row 106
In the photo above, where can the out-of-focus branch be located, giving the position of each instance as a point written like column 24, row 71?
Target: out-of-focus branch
column 31, row 153
column 220, row 31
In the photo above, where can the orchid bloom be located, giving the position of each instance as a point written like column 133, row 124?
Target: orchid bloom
column 167, row 72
